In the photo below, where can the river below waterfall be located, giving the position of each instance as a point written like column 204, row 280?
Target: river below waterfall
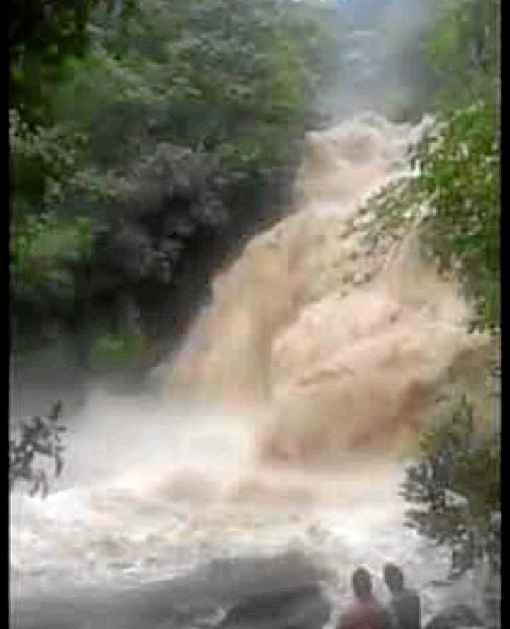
column 282, row 424
column 131, row 512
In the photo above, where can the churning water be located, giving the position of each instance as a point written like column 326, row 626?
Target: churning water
column 282, row 421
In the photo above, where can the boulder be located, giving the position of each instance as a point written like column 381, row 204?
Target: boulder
column 455, row 617
column 281, row 592
column 303, row 607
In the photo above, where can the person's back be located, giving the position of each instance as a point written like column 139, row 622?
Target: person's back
column 366, row 612
column 405, row 603
column 406, row 608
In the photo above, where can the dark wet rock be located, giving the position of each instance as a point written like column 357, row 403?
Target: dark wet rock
column 173, row 174
column 247, row 593
column 209, row 211
column 242, row 594
column 178, row 224
column 456, row 617
column 129, row 251
column 171, row 247
column 303, row 607
column 174, row 204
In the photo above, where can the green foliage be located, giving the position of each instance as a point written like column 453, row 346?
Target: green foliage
column 453, row 198
column 115, row 351
column 40, row 36
column 43, row 36
column 42, row 160
column 94, row 93
column 232, row 78
column 455, row 195
column 456, row 487
column 36, row 438
column 49, row 156
column 462, row 48
column 49, row 166
column 44, row 251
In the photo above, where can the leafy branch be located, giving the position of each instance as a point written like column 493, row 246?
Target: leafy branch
column 39, row 437
column 456, row 489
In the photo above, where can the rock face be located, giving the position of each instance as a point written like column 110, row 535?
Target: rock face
column 174, row 198
column 247, row 593
column 299, row 608
column 456, row 617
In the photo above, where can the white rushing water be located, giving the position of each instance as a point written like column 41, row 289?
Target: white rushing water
column 282, row 422
column 137, row 510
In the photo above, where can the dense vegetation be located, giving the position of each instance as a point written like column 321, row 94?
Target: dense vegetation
column 36, row 441
column 137, row 132
column 455, row 488
column 453, row 197
column 124, row 112
column 460, row 166
column 463, row 49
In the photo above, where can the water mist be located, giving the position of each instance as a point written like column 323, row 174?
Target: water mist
column 281, row 419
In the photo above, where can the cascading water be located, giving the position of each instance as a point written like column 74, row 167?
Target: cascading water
column 339, row 343
column 281, row 418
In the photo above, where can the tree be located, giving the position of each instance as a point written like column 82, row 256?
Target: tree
column 456, row 487
column 234, row 79
column 38, row 437
column 455, row 197
column 42, row 35
column 463, row 49
column 96, row 95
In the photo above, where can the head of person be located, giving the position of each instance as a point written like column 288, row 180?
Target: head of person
column 393, row 577
column 362, row 583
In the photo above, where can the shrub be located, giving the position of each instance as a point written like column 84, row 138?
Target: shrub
column 455, row 198
column 456, row 487
column 116, row 351
column 36, row 438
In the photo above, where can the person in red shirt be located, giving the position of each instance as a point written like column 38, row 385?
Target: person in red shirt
column 366, row 612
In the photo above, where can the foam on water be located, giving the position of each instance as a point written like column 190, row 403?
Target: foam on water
column 282, row 418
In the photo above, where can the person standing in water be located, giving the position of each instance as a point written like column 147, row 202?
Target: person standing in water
column 405, row 605
column 366, row 612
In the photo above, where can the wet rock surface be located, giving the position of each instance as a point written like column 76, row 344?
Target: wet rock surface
column 299, row 607
column 245, row 593
column 455, row 617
